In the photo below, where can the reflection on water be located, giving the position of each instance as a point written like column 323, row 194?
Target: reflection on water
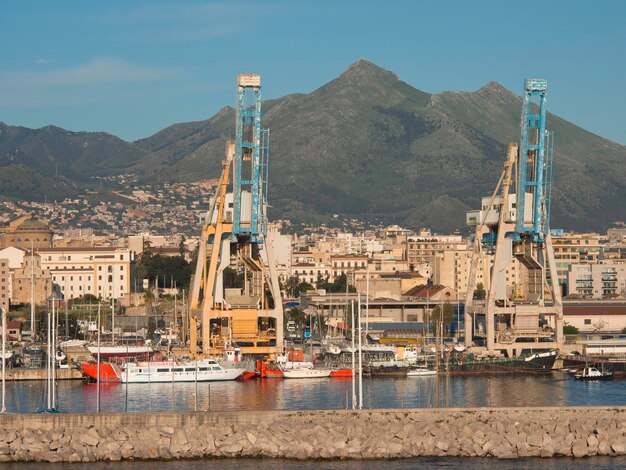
column 594, row 463
column 276, row 394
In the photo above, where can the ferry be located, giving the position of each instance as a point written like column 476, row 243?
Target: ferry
column 207, row 370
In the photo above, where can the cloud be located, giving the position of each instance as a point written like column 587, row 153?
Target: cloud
column 60, row 85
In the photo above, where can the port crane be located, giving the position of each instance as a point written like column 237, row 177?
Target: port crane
column 235, row 235
column 522, row 308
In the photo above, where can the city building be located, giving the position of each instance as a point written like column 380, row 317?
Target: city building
column 100, row 271
column 603, row 280
column 26, row 231
column 574, row 248
column 595, row 317
column 31, row 274
column 5, row 293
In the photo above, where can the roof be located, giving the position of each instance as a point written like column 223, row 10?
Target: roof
column 33, row 223
column 73, row 249
column 594, row 309
column 424, row 290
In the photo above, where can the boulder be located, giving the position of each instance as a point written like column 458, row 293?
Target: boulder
column 579, row 448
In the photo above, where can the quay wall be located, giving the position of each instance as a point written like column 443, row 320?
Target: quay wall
column 41, row 374
column 315, row 434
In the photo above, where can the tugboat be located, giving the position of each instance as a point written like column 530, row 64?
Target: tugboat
column 591, row 373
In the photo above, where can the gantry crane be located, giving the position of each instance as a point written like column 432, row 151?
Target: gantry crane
column 235, row 235
column 522, row 309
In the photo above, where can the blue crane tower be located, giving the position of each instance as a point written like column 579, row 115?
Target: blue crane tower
column 235, row 235
column 512, row 245
column 251, row 162
column 534, row 172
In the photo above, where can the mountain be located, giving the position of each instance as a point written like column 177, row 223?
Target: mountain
column 367, row 145
column 76, row 155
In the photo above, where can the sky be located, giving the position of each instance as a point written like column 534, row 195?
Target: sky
column 133, row 68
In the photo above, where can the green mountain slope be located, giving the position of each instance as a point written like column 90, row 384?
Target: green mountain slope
column 365, row 144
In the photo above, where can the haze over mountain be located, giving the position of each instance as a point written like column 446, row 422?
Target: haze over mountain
column 363, row 144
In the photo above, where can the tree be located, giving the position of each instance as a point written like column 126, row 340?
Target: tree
column 291, row 285
column 570, row 330
column 151, row 327
column 297, row 315
column 303, row 287
column 436, row 317
column 340, row 283
column 479, row 292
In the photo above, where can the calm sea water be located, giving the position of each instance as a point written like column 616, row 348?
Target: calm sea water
column 555, row 390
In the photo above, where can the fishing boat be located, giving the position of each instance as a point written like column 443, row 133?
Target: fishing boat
column 207, row 370
column 467, row 364
column 305, row 373
column 591, row 373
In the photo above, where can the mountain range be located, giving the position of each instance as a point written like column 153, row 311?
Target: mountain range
column 364, row 145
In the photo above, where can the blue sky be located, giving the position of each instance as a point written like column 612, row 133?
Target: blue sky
column 132, row 68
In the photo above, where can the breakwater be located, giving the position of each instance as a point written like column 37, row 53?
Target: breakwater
column 337, row 434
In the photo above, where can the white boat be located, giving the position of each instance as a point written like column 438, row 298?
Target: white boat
column 305, row 373
column 121, row 350
column 591, row 373
column 421, row 372
column 459, row 347
column 170, row 371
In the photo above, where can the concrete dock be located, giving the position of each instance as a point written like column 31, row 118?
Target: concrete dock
column 42, row 374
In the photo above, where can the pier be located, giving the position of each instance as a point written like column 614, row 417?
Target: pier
column 316, row 434
column 41, row 374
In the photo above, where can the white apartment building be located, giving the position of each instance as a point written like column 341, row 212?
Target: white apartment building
column 100, row 271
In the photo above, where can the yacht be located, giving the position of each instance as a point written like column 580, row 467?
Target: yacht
column 170, row 371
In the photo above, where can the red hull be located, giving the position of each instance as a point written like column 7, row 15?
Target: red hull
column 273, row 372
column 247, row 375
column 341, row 373
column 107, row 372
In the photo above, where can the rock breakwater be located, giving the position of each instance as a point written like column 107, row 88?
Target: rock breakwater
column 341, row 434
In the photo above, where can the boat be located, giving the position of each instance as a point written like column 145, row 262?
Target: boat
column 340, row 373
column 108, row 373
column 137, row 352
column 207, row 370
column 606, row 363
column 32, row 356
column 268, row 370
column 421, row 372
column 591, row 373
column 305, row 373
column 386, row 370
column 467, row 364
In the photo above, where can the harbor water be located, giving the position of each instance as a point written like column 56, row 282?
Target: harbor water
column 556, row 389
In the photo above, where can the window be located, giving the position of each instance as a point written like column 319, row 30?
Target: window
column 99, row 278
column 110, row 278
column 110, row 269
column 122, row 257
column 99, row 268
column 122, row 277
column 587, row 321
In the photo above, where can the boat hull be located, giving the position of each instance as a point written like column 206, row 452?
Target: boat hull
column 306, row 373
column 108, row 374
column 178, row 373
column 385, row 371
column 536, row 364
column 341, row 373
